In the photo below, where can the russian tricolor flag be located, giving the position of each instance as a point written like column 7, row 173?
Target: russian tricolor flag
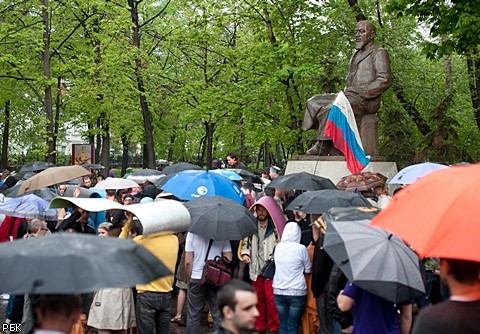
column 342, row 128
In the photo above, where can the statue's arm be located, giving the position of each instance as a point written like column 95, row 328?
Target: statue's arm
column 383, row 77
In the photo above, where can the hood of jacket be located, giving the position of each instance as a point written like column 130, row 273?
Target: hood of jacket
column 292, row 233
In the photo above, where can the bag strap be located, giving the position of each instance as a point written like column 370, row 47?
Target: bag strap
column 272, row 256
column 208, row 250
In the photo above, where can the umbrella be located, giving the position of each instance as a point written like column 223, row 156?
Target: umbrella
column 438, row 214
column 188, row 185
column 375, row 260
column 162, row 180
column 228, row 173
column 28, row 206
column 248, row 176
column 319, row 201
column 115, row 183
column 180, row 167
column 143, row 175
column 219, row 218
column 75, row 263
column 411, row 173
column 35, row 166
column 301, row 181
column 93, row 166
column 361, row 181
column 44, row 193
column 52, row 175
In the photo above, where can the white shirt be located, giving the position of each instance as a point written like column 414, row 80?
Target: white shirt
column 199, row 246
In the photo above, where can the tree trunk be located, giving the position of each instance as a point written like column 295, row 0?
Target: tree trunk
column 209, row 130
column 105, row 152
column 172, row 143
column 51, row 139
column 473, row 65
column 147, row 117
column 124, row 155
column 5, row 136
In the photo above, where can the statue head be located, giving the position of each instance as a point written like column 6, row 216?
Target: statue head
column 364, row 34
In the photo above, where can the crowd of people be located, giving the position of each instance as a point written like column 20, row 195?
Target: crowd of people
column 249, row 302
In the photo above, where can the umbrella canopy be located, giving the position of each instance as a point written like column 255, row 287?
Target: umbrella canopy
column 228, row 173
column 44, row 193
column 180, row 167
column 28, row 206
column 248, row 176
column 375, row 260
column 51, row 176
column 93, row 166
column 115, row 183
column 410, row 174
column 301, row 181
column 188, row 185
column 35, row 166
column 319, row 201
column 163, row 179
column 142, row 175
column 438, row 214
column 75, row 263
column 219, row 218
column 361, row 181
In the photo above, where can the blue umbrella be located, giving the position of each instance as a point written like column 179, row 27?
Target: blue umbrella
column 28, row 206
column 228, row 173
column 188, row 185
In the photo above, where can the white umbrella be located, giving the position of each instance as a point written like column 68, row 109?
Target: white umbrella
column 115, row 183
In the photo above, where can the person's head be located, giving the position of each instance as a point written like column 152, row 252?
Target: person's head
column 274, row 172
column 37, row 227
column 460, row 271
column 56, row 312
column 364, row 34
column 83, row 149
column 103, row 229
column 136, row 229
column 237, row 302
column 87, row 181
column 266, row 173
column 128, row 199
column 100, row 178
column 232, row 159
column 261, row 212
column 61, row 189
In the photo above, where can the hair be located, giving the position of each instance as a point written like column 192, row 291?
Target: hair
column 467, row 272
column 64, row 305
column 105, row 226
column 35, row 225
column 370, row 25
column 226, row 294
column 136, row 227
column 232, row 155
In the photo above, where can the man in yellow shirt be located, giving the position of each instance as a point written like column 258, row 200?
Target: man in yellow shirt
column 153, row 299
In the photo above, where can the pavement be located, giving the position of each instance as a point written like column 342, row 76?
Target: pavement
column 174, row 328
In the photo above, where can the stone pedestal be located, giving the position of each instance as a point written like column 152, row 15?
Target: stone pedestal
column 335, row 167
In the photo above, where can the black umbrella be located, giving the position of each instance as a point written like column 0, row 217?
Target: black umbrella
column 375, row 260
column 301, row 181
column 180, row 167
column 35, row 166
column 44, row 193
column 142, row 175
column 75, row 263
column 93, row 166
column 319, row 201
column 219, row 218
column 248, row 176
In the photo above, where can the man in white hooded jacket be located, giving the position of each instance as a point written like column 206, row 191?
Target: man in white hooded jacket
column 289, row 285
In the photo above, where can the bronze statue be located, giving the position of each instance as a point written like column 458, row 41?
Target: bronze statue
column 368, row 77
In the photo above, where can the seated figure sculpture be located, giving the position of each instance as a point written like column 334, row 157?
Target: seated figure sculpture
column 368, row 77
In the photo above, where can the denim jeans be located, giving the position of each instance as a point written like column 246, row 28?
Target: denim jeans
column 153, row 312
column 290, row 309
